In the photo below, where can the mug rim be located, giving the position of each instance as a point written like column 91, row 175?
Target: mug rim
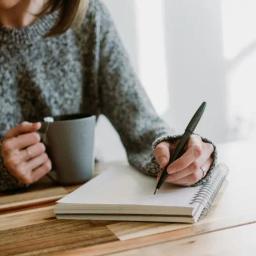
column 71, row 117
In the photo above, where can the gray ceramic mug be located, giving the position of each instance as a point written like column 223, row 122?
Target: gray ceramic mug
column 69, row 141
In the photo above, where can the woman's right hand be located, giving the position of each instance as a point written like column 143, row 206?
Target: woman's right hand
column 24, row 155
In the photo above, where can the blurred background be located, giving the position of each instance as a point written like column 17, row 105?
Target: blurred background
column 186, row 52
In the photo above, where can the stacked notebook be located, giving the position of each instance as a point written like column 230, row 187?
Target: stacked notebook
column 126, row 194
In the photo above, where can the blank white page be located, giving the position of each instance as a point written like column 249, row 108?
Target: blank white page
column 127, row 186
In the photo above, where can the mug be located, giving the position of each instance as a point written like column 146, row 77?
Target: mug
column 69, row 141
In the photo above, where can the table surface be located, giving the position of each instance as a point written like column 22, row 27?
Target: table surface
column 28, row 225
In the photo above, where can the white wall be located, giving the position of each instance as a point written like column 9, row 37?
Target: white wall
column 196, row 65
column 195, row 61
column 239, row 21
column 124, row 16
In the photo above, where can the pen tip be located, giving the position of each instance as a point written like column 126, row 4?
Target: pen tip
column 155, row 191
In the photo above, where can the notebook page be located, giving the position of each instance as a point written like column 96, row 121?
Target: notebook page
column 128, row 186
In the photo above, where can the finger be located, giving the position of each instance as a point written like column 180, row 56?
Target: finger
column 32, row 152
column 193, row 152
column 162, row 153
column 190, row 179
column 41, row 171
column 203, row 150
column 194, row 140
column 22, row 173
column 192, row 168
column 204, row 159
column 207, row 150
column 20, row 142
column 37, row 161
column 183, row 162
column 18, row 157
column 190, row 176
column 24, row 127
column 206, row 166
column 196, row 144
column 171, row 178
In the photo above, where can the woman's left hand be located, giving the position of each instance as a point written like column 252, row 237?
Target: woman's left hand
column 191, row 167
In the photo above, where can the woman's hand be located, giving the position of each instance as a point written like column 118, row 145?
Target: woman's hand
column 24, row 155
column 191, row 167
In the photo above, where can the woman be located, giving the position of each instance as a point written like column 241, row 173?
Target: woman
column 48, row 68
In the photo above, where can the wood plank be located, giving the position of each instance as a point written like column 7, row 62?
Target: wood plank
column 236, row 242
column 26, row 217
column 119, row 246
column 130, row 230
column 15, row 201
column 41, row 192
column 53, row 236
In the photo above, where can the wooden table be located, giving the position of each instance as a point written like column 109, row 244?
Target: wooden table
column 28, row 225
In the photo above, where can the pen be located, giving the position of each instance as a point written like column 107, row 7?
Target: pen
column 183, row 141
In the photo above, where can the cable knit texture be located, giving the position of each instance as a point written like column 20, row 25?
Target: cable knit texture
column 85, row 70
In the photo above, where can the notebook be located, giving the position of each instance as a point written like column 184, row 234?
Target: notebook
column 126, row 194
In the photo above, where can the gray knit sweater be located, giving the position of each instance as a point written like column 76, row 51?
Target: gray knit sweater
column 81, row 71
column 84, row 70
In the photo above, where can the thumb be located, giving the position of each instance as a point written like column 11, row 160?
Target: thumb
column 162, row 154
column 24, row 127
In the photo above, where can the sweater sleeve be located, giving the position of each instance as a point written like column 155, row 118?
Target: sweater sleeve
column 123, row 100
column 7, row 182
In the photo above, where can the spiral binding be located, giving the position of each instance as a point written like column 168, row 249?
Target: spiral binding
column 208, row 191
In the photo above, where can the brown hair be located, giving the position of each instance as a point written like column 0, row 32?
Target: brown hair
column 71, row 13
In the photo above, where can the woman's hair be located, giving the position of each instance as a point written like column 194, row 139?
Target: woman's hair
column 71, row 12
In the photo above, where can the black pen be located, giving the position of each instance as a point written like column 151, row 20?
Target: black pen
column 183, row 141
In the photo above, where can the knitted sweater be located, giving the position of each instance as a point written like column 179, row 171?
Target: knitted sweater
column 84, row 70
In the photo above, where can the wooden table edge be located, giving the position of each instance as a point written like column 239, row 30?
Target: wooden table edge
column 135, row 243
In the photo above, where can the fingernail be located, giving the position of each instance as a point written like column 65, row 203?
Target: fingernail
column 169, row 169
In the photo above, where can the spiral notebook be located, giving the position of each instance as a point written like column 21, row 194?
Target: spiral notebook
column 126, row 194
